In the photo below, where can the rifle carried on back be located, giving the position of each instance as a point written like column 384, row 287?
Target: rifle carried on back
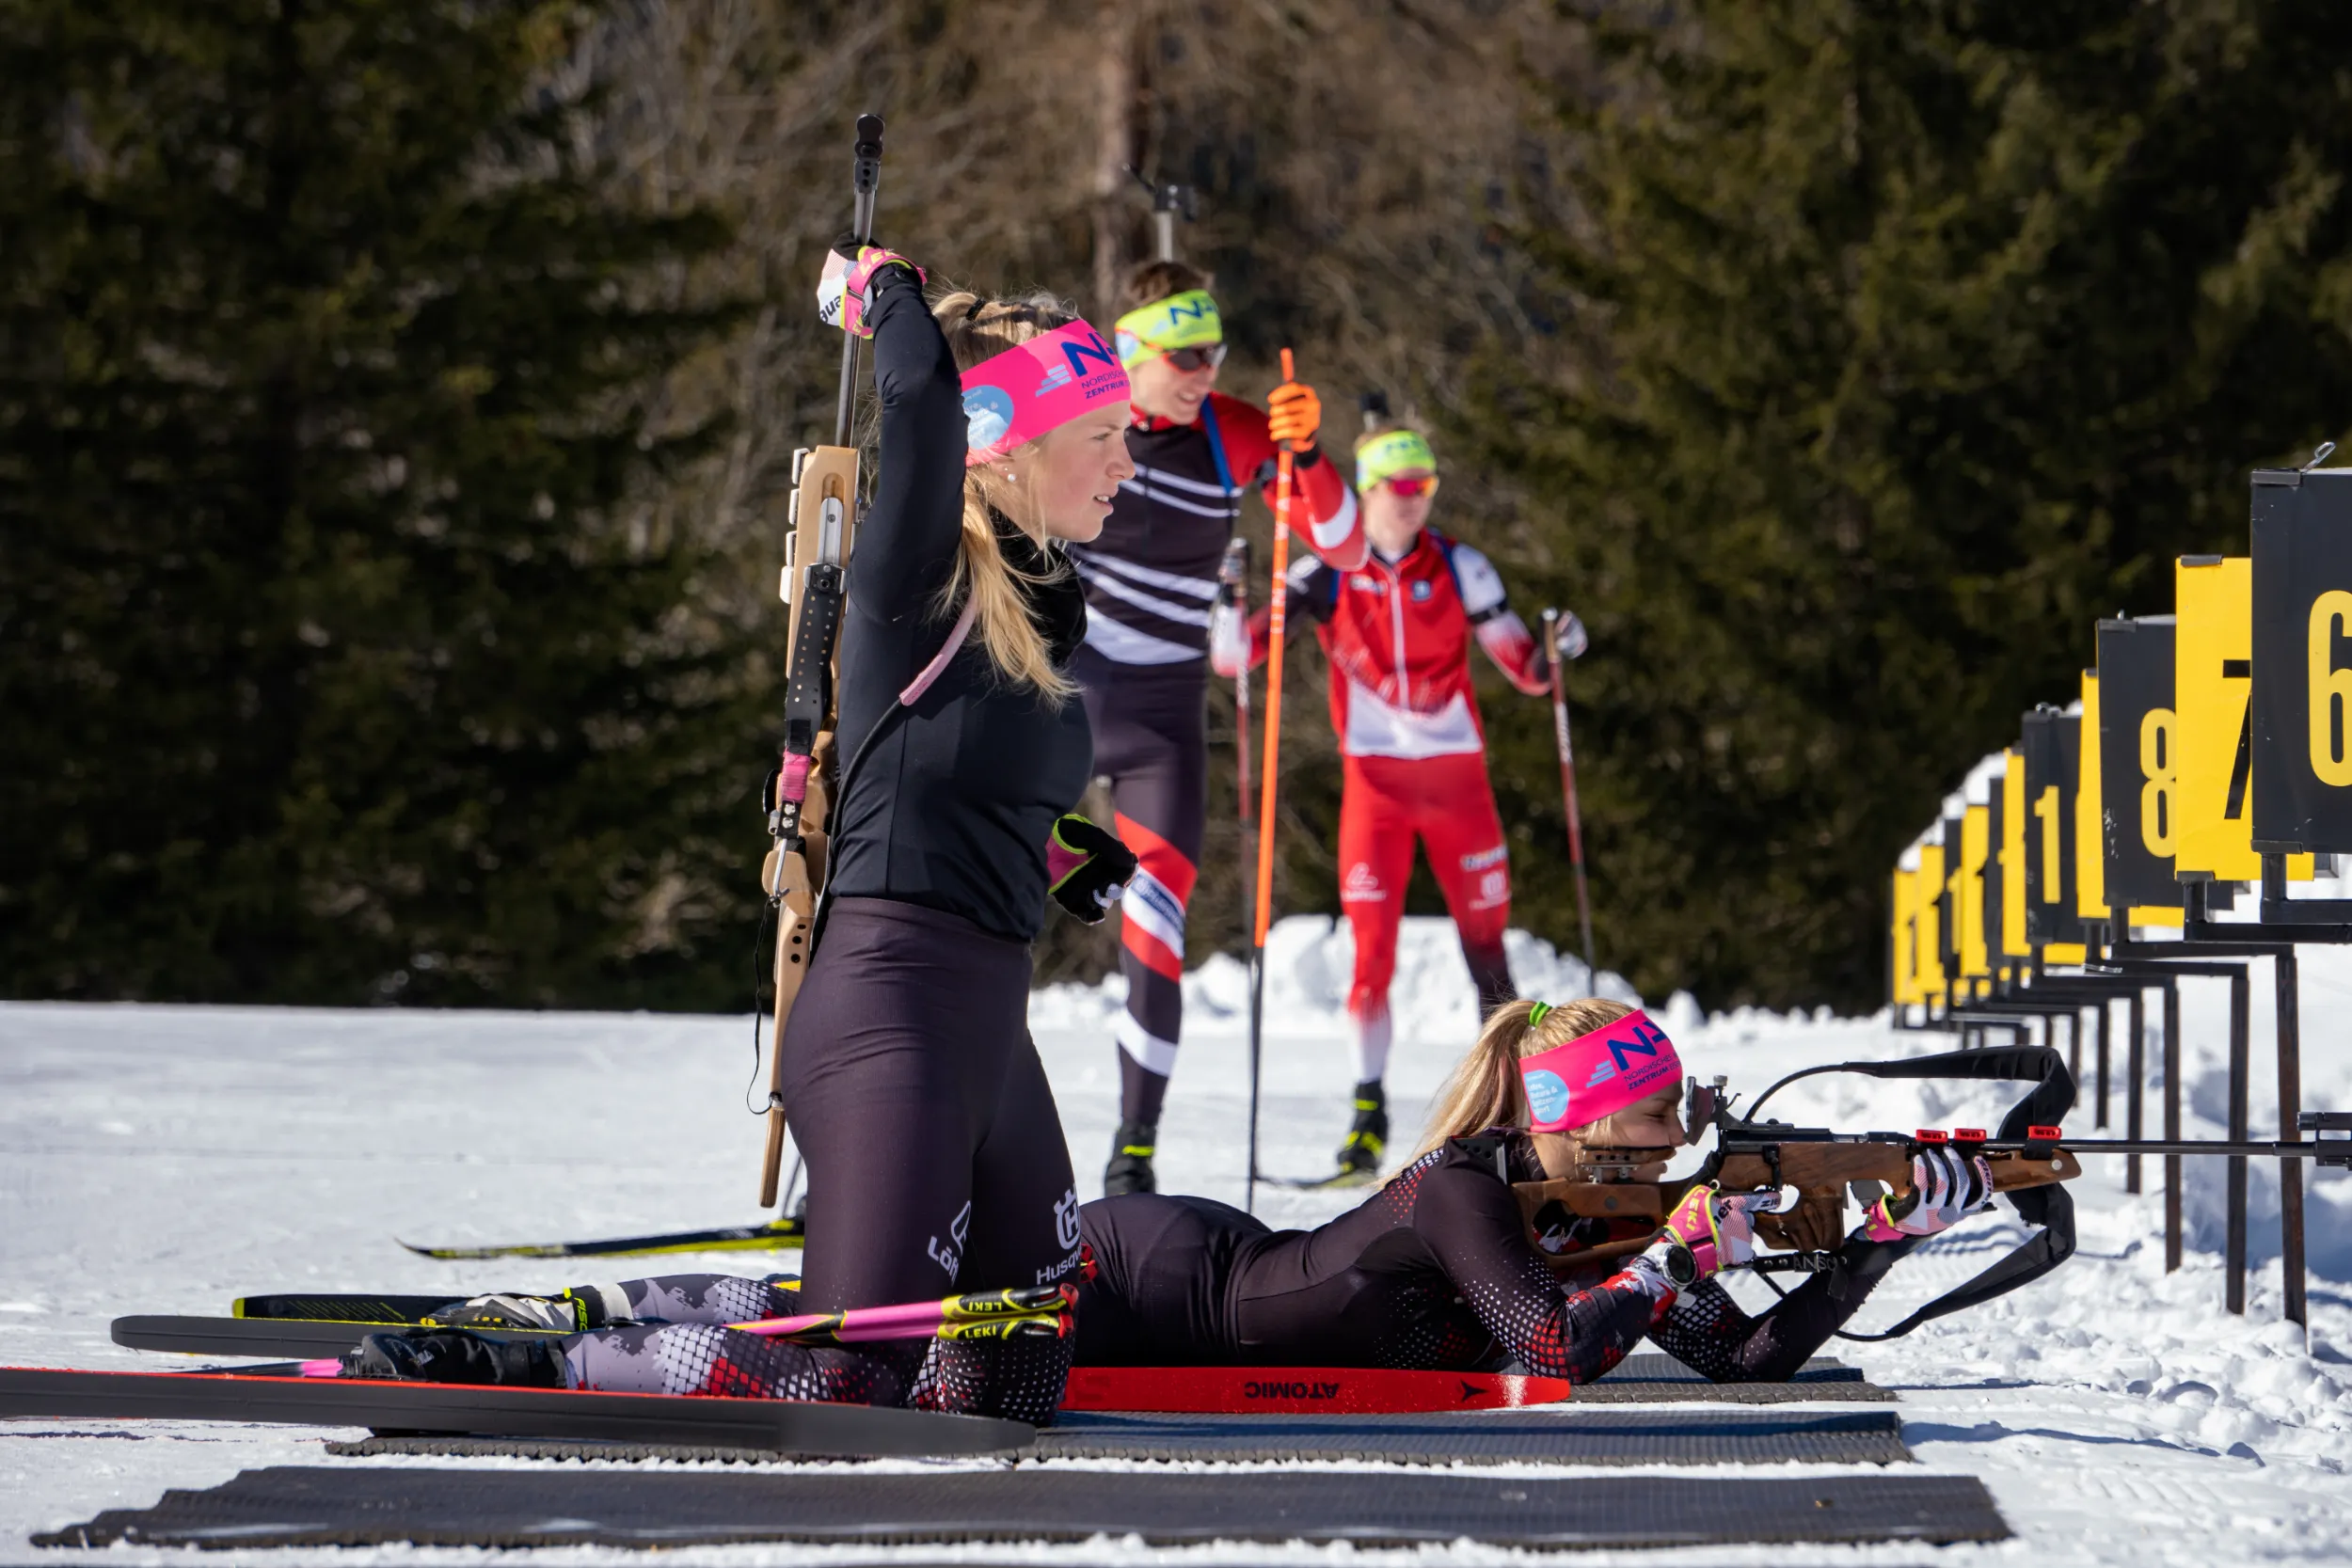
column 797, row 797
column 2029, row 1155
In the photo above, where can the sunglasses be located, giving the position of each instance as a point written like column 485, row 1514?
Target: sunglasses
column 1426, row 486
column 1190, row 360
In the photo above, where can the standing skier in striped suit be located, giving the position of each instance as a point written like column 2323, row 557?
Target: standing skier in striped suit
column 1150, row 583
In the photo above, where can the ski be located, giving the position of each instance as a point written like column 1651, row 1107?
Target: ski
column 1337, row 1181
column 781, row 1234
column 982, row 1315
column 301, row 1339
column 377, row 1311
column 783, row 1426
column 1302, row 1390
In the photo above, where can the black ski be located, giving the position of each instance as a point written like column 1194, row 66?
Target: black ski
column 781, row 1426
column 361, row 1308
column 1337, row 1181
column 780, row 1233
column 304, row 1339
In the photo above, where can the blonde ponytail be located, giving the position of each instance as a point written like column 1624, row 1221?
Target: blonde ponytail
column 1484, row 1089
column 978, row 330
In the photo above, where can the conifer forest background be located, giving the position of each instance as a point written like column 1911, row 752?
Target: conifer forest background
column 397, row 402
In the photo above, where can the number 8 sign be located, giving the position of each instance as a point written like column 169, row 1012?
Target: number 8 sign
column 2300, row 733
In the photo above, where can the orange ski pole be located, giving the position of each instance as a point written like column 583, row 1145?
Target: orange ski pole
column 1267, row 770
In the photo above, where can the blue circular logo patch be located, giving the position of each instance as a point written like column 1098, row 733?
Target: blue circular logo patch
column 987, row 415
column 1546, row 1096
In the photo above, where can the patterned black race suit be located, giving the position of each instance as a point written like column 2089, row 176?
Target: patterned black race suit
column 1433, row 1271
column 1151, row 582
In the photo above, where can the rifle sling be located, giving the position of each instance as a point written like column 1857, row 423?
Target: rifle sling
column 2052, row 1208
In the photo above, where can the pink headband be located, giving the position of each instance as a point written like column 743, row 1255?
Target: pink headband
column 1034, row 387
column 1598, row 1074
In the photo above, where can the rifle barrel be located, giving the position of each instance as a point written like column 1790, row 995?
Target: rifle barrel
column 2319, row 1149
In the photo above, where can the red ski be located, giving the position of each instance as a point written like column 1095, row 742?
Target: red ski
column 1302, row 1390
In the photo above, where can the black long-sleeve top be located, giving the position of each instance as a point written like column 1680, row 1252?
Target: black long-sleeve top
column 1432, row 1271
column 951, row 804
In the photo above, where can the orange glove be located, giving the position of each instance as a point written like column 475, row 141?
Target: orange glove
column 1293, row 414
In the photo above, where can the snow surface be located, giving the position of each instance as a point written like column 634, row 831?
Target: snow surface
column 166, row 1159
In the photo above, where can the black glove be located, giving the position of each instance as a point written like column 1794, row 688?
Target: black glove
column 1087, row 869
column 1232, row 571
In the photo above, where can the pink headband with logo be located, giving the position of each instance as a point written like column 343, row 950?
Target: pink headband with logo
column 1598, row 1074
column 1035, row 387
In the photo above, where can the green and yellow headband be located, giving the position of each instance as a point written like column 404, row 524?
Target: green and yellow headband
column 1392, row 452
column 1188, row 320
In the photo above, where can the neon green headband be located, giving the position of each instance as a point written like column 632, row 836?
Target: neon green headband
column 1188, row 320
column 1392, row 452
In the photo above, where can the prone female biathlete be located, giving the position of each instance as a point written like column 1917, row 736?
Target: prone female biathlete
column 1149, row 581
column 1397, row 630
column 935, row 1155
column 1436, row 1270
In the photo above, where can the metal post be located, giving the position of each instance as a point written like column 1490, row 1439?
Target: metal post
column 2171, row 1124
column 2074, row 1046
column 2289, row 1041
column 2233, row 1247
column 2106, row 1014
column 2135, row 1060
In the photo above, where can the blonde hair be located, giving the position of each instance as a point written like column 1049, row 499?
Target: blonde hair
column 1484, row 1089
column 977, row 330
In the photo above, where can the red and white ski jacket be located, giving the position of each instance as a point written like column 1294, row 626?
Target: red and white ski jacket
column 1398, row 635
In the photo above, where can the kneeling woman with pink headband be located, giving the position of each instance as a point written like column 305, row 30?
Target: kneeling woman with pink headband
column 935, row 1157
column 1437, row 1270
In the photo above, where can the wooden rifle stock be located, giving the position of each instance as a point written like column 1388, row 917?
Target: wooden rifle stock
column 824, row 525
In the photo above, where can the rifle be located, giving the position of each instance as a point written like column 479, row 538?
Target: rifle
column 798, row 796
column 2030, row 1156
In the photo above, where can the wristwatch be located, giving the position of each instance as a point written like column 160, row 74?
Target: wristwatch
column 1681, row 1269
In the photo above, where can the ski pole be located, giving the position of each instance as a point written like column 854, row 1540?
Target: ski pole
column 1568, row 793
column 918, row 1318
column 1267, row 772
column 986, row 1315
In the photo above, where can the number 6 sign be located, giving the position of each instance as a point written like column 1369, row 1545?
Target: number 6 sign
column 2300, row 728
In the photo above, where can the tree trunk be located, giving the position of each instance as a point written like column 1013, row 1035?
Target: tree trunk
column 1114, row 143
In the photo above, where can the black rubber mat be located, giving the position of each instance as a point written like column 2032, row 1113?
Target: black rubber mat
column 1655, row 1367
column 1651, row 1378
column 1564, row 1436
column 377, row 1505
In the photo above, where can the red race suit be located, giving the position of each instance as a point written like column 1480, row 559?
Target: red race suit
column 1413, row 747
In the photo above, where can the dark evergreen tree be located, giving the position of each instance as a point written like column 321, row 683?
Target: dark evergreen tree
column 1917, row 337
column 340, row 659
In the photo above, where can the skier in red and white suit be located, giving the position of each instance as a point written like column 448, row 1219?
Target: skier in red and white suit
column 1397, row 631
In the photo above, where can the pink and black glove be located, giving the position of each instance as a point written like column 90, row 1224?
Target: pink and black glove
column 1946, row 1185
column 1717, row 1228
column 1087, row 869
column 841, row 289
column 1708, row 1232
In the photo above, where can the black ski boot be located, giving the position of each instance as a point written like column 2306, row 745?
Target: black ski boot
column 1130, row 1170
column 1368, row 1139
column 453, row 1355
